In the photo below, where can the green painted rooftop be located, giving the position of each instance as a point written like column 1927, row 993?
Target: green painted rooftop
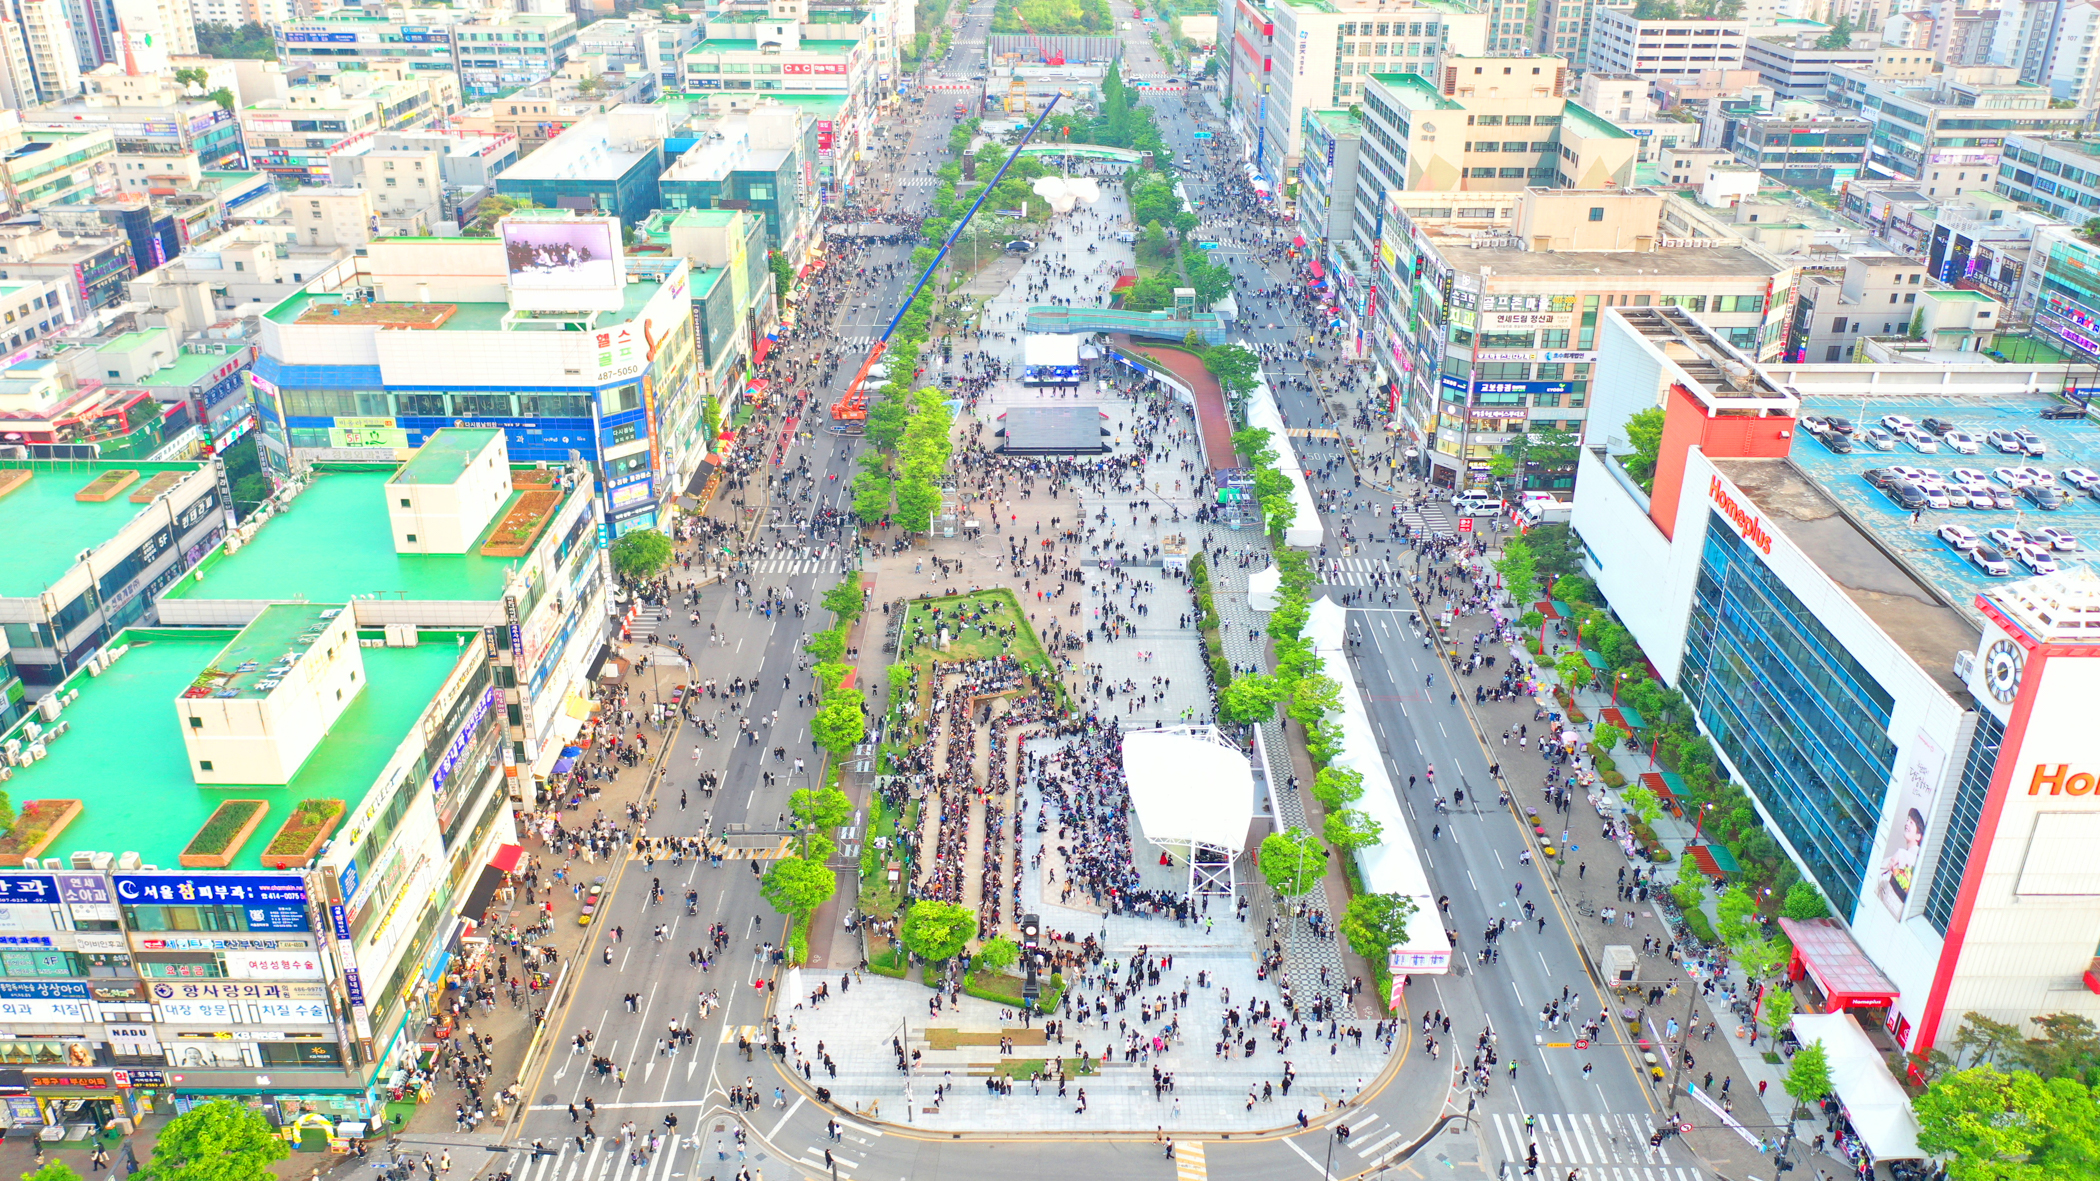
column 124, row 758
column 185, row 369
column 335, row 544
column 445, row 454
column 131, row 340
column 466, row 317
column 1417, row 92
column 1960, row 295
column 715, row 45
column 259, row 652
column 1588, row 122
column 47, row 528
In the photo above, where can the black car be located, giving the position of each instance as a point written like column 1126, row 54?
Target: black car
column 1842, row 426
column 2064, row 410
column 2043, row 497
column 1838, row 444
column 1879, row 477
column 1938, row 426
column 1906, row 496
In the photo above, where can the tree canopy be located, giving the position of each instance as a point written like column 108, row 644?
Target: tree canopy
column 797, row 886
column 640, row 554
column 1996, row 1126
column 1293, row 861
column 1374, row 923
column 936, row 930
column 216, row 1141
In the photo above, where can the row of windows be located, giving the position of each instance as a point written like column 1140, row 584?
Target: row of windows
column 1389, row 29
column 478, row 404
column 1545, row 173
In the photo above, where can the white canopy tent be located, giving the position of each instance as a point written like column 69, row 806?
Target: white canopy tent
column 1392, row 866
column 1262, row 588
column 1874, row 1101
column 1262, row 412
column 1193, row 792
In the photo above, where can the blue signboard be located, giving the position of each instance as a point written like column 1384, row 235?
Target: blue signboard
column 28, row 887
column 1457, row 385
column 273, row 902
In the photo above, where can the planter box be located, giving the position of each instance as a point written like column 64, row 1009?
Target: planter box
column 192, row 858
column 161, row 482
column 107, row 485
column 37, row 825
column 12, row 479
column 301, row 835
column 521, row 526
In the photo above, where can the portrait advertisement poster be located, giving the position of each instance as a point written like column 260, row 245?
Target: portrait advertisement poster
column 1917, row 785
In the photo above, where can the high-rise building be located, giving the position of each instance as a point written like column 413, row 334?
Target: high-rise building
column 54, row 52
column 1626, row 44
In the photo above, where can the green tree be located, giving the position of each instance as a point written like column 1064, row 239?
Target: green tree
column 640, row 554
column 1981, row 1040
column 997, row 955
column 216, row 1141
column 1519, row 571
column 493, row 208
column 1337, row 787
column 1839, row 36
column 249, row 492
column 1804, row 902
column 1607, row 738
column 818, row 810
column 1313, row 698
column 1995, row 1126
column 1376, row 923
column 1350, row 829
column 1645, row 804
column 1236, row 368
column 917, row 499
column 2069, row 1047
column 827, row 645
column 797, row 887
column 872, row 489
column 1733, row 913
column 1250, row 698
column 1808, row 1075
column 1293, row 861
column 840, row 722
column 936, row 930
column 1573, row 669
column 252, row 41
column 844, row 599
column 1776, row 1009
column 1760, row 958
column 1644, row 432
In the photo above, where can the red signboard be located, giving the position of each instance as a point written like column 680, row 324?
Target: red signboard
column 1465, row 524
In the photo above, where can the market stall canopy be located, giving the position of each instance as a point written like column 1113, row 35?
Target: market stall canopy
column 1874, row 1101
column 1188, row 788
column 1262, row 586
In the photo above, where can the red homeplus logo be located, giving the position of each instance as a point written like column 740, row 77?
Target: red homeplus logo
column 2061, row 781
column 1746, row 523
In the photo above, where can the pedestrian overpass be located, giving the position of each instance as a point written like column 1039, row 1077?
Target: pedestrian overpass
column 1170, row 324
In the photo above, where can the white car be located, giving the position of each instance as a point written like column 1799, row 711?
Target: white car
column 2015, row 478
column 2031, row 443
column 1876, row 438
column 2005, row 537
column 1958, row 495
column 1968, row 475
column 1935, row 495
column 1960, row 442
column 1989, row 560
column 2037, row 560
column 1919, row 440
column 1915, row 475
column 1896, row 424
column 2054, row 538
column 2083, row 478
column 2039, row 475
column 1961, row 537
column 2006, row 441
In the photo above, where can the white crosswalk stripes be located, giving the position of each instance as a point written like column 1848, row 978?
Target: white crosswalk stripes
column 1606, row 1147
column 830, row 563
column 606, row 1159
column 1352, row 571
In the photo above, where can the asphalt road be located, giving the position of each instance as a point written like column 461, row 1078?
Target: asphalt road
column 1474, row 862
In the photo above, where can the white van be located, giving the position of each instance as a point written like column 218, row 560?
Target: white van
column 878, row 374
column 1474, row 503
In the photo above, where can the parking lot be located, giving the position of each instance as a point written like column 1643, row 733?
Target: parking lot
column 2069, row 443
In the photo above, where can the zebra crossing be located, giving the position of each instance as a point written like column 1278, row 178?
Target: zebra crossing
column 830, row 563
column 1313, row 432
column 846, row 1153
column 858, row 344
column 1354, row 571
column 607, row 1160
column 1609, row 1146
column 1189, row 1164
column 765, row 853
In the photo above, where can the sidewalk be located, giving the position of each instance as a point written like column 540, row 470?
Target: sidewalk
column 1589, row 879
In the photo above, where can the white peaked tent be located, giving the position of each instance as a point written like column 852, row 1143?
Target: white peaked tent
column 1193, row 792
column 1262, row 588
column 1874, row 1101
column 1261, row 412
column 1393, row 865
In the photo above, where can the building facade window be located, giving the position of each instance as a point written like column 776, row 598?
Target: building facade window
column 1969, row 797
column 1801, row 719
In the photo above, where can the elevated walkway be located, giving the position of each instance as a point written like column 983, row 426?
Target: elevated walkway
column 1209, row 327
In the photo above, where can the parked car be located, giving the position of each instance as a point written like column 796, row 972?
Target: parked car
column 1960, row 442
column 1920, row 440
column 1961, row 537
column 2054, row 538
column 1896, row 424
column 1876, row 438
column 1938, row 426
column 2064, row 410
column 2082, row 478
column 2005, row 441
column 2036, row 560
column 1838, row 444
column 1990, row 561
column 2045, row 498
column 1906, row 496
column 2031, row 443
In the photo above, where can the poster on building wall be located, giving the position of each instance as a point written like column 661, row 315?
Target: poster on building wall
column 1917, row 787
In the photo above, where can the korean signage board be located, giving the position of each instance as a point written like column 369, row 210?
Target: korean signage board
column 273, row 902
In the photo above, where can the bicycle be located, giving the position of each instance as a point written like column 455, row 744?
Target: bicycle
column 1586, row 908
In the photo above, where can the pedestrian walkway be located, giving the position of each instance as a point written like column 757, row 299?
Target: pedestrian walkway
column 1188, row 1161
column 829, row 563
column 1591, row 1142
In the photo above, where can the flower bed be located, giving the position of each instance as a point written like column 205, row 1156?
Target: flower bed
column 300, row 837
column 219, row 841
column 13, row 478
column 37, row 826
column 520, row 527
column 106, row 486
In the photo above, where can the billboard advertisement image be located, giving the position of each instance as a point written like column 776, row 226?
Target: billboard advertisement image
column 551, row 255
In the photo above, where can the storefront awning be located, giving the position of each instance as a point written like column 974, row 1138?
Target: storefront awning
column 1298, row 241
column 760, row 349
column 567, row 760
column 1874, row 1101
column 484, row 891
column 1824, row 949
column 709, row 464
column 1319, row 272
column 507, row 858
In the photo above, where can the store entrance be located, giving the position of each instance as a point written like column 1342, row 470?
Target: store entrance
column 96, row 1114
